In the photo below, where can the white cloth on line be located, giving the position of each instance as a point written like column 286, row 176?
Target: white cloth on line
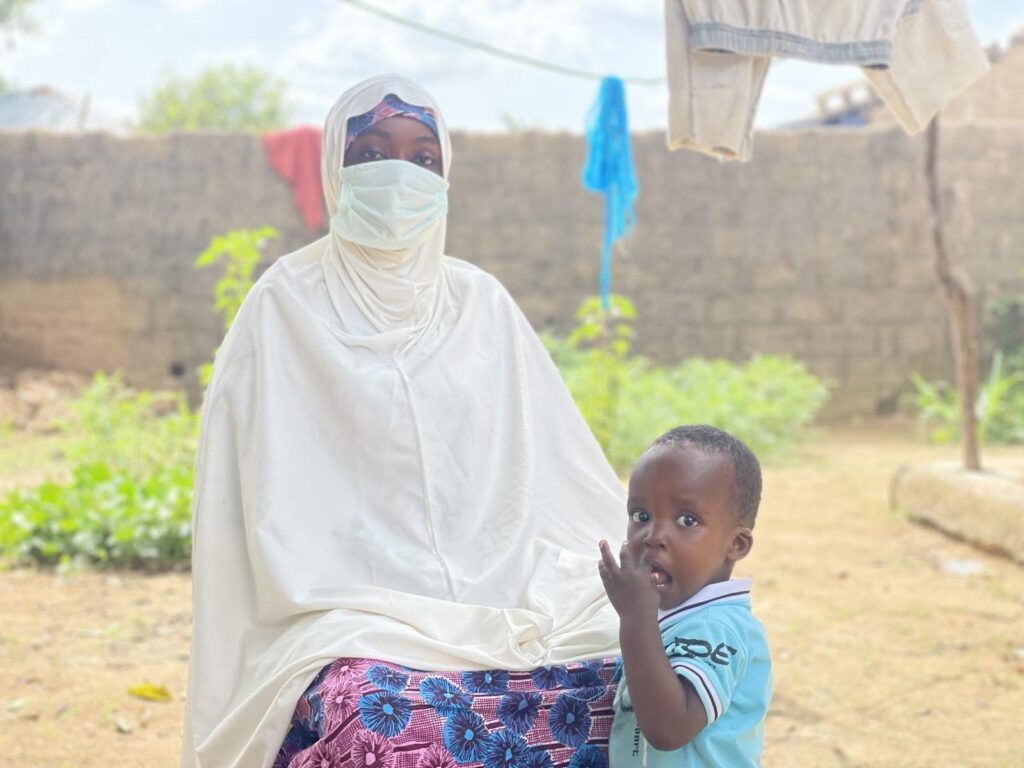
column 918, row 54
column 391, row 467
column 937, row 56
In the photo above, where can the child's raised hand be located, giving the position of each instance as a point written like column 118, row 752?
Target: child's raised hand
column 628, row 585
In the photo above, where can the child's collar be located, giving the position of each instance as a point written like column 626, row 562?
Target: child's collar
column 720, row 590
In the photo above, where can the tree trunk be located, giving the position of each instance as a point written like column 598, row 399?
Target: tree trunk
column 961, row 318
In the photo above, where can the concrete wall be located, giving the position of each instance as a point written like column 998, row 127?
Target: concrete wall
column 97, row 239
column 819, row 248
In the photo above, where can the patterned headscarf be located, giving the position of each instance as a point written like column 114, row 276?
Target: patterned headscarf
column 389, row 106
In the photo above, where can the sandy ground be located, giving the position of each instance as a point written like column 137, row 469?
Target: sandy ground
column 893, row 645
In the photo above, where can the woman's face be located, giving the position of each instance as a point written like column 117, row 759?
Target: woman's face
column 397, row 138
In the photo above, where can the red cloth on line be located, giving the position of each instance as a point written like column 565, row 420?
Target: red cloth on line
column 295, row 154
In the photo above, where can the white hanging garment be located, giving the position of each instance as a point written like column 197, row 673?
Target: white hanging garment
column 918, row 54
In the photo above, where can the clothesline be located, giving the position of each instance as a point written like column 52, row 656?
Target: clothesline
column 494, row 50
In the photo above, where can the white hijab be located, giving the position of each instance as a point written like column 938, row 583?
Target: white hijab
column 390, row 467
column 390, row 296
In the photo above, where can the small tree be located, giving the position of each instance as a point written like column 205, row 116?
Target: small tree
column 226, row 97
column 241, row 249
column 605, row 337
column 959, row 309
column 14, row 18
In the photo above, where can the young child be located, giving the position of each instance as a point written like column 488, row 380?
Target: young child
column 696, row 670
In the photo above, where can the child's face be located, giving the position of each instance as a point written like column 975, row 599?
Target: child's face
column 681, row 523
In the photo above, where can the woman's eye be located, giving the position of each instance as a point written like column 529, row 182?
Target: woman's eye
column 372, row 155
column 688, row 521
column 425, row 159
column 639, row 516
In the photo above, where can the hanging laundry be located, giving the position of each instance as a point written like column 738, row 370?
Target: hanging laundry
column 918, row 53
column 295, row 154
column 609, row 171
column 936, row 55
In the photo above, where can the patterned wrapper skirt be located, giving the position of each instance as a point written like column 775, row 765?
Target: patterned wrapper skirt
column 362, row 713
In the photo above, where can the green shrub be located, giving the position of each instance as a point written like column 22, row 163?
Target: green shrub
column 227, row 97
column 999, row 408
column 240, row 250
column 129, row 499
column 594, row 361
column 130, row 431
column 103, row 517
column 1008, row 324
column 628, row 402
column 1008, row 331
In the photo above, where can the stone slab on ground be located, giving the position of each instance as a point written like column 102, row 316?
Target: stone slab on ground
column 985, row 509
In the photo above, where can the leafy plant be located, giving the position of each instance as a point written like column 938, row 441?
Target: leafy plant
column 999, row 408
column 128, row 501
column 241, row 250
column 595, row 363
column 103, row 517
column 130, row 431
column 224, row 97
column 627, row 401
column 1008, row 330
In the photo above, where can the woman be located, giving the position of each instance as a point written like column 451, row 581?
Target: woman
column 390, row 467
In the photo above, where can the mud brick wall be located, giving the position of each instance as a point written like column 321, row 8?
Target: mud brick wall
column 819, row 248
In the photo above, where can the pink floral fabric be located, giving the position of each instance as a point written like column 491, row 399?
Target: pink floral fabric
column 362, row 713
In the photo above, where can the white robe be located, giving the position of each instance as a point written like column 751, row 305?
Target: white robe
column 417, row 488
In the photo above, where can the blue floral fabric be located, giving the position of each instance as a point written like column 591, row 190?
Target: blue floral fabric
column 362, row 713
column 389, row 106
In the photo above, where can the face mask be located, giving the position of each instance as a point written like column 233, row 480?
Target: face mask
column 389, row 204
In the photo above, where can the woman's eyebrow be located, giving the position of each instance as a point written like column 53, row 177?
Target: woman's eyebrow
column 427, row 138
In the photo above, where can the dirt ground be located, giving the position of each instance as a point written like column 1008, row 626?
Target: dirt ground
column 893, row 646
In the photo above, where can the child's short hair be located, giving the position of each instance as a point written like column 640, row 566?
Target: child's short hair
column 746, row 471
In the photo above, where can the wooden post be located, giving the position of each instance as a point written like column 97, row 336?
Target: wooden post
column 961, row 318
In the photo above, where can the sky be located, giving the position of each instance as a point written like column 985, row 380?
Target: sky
column 115, row 51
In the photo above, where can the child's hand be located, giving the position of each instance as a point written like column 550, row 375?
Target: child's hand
column 628, row 586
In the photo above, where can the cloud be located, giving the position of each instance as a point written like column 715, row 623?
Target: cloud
column 303, row 26
column 251, row 55
column 84, row 5
column 598, row 35
column 178, row 6
column 184, row 6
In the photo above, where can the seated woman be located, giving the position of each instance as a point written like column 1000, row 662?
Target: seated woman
column 391, row 478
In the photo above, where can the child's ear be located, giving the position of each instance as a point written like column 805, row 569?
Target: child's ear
column 739, row 547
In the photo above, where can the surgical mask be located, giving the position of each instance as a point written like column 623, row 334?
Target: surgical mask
column 389, row 204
